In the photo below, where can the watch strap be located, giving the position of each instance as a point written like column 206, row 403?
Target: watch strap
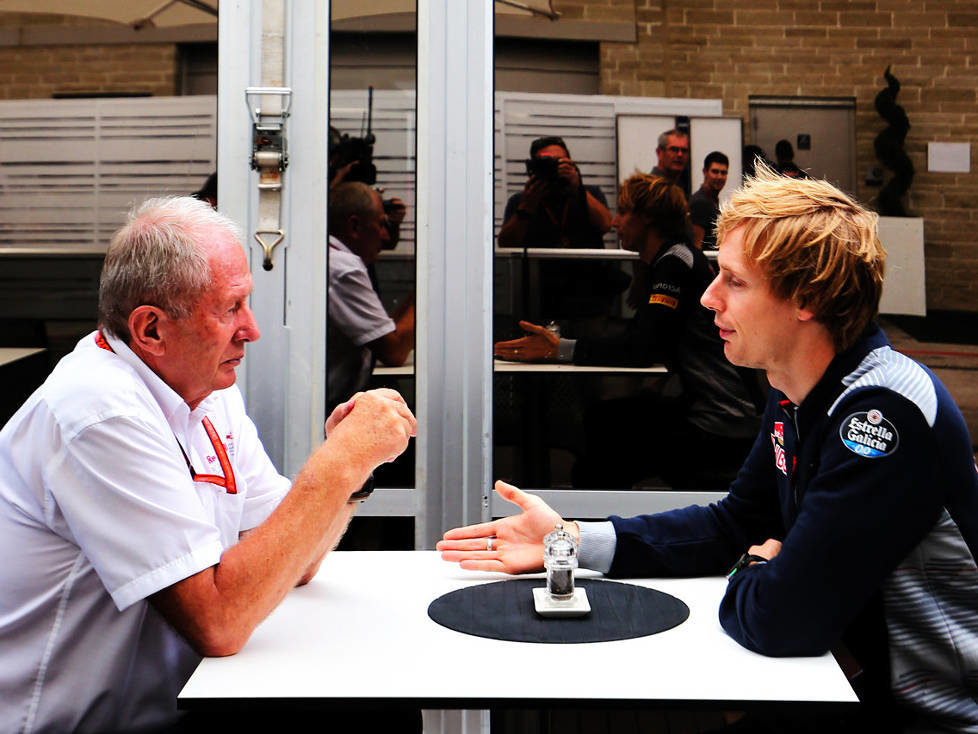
column 743, row 562
column 364, row 491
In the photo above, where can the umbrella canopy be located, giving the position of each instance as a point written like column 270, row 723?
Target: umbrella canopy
column 163, row 13
column 135, row 13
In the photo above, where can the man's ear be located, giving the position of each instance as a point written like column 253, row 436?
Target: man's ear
column 144, row 329
column 803, row 314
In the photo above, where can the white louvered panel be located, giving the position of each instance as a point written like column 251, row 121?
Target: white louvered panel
column 70, row 169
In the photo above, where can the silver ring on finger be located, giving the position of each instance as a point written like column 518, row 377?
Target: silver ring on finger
column 488, row 544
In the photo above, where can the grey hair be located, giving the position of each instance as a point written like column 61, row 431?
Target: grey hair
column 675, row 132
column 158, row 258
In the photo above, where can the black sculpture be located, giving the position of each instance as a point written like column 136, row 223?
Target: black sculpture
column 889, row 149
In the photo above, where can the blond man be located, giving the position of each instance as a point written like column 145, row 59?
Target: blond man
column 854, row 521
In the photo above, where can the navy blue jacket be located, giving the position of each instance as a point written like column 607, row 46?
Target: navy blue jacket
column 871, row 486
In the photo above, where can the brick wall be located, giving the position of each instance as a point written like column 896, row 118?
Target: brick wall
column 730, row 50
column 712, row 49
column 41, row 72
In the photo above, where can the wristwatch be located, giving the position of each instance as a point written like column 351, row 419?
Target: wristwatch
column 743, row 562
column 364, row 491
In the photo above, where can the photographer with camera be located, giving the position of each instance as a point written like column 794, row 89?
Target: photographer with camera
column 359, row 329
column 556, row 209
column 352, row 159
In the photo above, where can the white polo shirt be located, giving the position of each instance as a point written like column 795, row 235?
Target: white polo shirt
column 98, row 510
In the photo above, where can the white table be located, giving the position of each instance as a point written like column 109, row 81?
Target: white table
column 359, row 634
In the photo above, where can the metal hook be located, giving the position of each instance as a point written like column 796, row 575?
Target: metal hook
column 279, row 236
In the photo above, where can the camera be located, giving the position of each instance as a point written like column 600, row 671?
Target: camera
column 346, row 149
column 543, row 167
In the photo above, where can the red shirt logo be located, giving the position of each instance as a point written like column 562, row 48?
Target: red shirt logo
column 777, row 441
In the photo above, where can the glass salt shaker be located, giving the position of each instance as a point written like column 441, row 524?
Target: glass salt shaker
column 560, row 560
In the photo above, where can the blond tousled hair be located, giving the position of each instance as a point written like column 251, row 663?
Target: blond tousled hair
column 818, row 248
column 661, row 205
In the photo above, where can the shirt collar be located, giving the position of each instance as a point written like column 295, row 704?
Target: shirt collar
column 337, row 244
column 827, row 388
column 174, row 407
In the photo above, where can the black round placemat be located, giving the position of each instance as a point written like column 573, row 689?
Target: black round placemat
column 503, row 610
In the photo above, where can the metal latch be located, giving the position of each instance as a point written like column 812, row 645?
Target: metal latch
column 269, row 155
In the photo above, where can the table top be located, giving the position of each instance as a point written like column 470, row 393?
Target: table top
column 502, row 365
column 12, row 354
column 359, row 634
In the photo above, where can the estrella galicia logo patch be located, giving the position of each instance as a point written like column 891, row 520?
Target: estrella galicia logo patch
column 869, row 434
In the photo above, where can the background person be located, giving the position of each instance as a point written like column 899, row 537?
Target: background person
column 644, row 435
column 704, row 205
column 858, row 505
column 672, row 160
column 672, row 156
column 144, row 524
column 359, row 329
column 785, row 154
column 352, row 159
column 557, row 209
column 753, row 157
column 208, row 191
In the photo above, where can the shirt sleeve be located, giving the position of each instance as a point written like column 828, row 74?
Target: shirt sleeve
column 598, row 194
column 512, row 205
column 597, row 545
column 127, row 500
column 355, row 308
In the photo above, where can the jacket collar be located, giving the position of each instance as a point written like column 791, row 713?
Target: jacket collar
column 830, row 384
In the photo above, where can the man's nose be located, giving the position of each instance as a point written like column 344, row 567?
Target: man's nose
column 248, row 330
column 709, row 298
